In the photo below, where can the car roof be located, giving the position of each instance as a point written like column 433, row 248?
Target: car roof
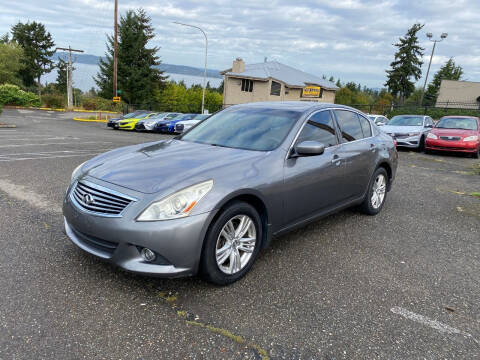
column 461, row 117
column 291, row 105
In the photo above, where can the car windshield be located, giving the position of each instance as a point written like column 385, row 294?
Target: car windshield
column 131, row 115
column 457, row 123
column 371, row 117
column 245, row 128
column 183, row 117
column 142, row 116
column 400, row 120
column 156, row 116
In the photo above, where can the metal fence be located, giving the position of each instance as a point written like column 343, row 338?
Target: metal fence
column 435, row 111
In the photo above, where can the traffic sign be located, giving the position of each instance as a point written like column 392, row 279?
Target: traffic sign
column 117, row 99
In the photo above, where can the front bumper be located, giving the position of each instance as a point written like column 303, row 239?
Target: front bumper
column 127, row 126
column 408, row 141
column 448, row 145
column 165, row 128
column 119, row 240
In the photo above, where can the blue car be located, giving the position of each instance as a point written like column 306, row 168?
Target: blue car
column 168, row 126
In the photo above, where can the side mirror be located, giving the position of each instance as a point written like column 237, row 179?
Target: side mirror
column 309, row 148
column 429, row 126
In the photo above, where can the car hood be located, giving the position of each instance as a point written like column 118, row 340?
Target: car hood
column 401, row 129
column 154, row 167
column 453, row 132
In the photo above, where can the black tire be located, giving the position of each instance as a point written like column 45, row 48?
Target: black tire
column 476, row 155
column 209, row 269
column 367, row 207
column 428, row 152
column 421, row 145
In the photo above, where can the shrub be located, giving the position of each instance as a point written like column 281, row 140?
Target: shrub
column 99, row 103
column 13, row 95
column 55, row 101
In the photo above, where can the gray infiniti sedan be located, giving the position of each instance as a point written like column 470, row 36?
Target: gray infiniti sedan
column 209, row 200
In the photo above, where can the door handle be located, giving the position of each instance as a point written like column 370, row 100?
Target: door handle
column 336, row 160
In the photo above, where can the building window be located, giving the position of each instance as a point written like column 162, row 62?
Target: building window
column 275, row 89
column 247, row 85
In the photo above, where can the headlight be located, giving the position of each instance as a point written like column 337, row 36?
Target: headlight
column 149, row 123
column 432, row 136
column 76, row 173
column 414, row 134
column 471, row 138
column 176, row 205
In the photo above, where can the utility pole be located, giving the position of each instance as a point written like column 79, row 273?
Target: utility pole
column 69, row 75
column 430, row 35
column 115, row 48
column 205, row 68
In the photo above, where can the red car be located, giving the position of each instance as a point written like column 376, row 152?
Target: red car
column 455, row 133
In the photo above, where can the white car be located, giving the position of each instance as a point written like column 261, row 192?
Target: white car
column 409, row 130
column 379, row 120
column 183, row 126
column 149, row 124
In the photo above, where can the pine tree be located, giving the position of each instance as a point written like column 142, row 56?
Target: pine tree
column 407, row 64
column 138, row 73
column 338, row 83
column 38, row 45
column 449, row 71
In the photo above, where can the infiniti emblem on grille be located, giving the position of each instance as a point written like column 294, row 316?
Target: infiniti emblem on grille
column 88, row 199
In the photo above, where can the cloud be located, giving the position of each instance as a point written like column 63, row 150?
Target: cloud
column 349, row 39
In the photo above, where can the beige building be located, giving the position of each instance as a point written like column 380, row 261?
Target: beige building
column 459, row 94
column 273, row 81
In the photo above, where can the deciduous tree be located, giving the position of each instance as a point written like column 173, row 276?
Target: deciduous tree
column 37, row 44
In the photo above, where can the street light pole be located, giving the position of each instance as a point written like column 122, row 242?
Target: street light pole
column 115, row 48
column 69, row 75
column 430, row 35
column 205, row 68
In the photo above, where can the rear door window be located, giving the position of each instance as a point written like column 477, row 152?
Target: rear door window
column 349, row 125
column 366, row 129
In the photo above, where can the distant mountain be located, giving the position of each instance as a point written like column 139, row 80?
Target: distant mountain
column 168, row 68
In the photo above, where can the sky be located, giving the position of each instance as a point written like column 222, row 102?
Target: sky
column 347, row 39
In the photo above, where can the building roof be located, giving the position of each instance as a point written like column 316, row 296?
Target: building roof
column 290, row 76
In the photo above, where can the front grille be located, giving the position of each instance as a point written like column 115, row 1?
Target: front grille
column 450, row 138
column 401, row 136
column 140, row 126
column 99, row 200
column 179, row 127
column 96, row 243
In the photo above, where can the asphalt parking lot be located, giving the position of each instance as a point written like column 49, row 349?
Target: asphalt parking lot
column 404, row 284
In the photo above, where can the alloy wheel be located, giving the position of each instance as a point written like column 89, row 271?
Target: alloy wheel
column 378, row 193
column 235, row 244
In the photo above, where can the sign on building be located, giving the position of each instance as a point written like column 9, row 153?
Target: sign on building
column 311, row 92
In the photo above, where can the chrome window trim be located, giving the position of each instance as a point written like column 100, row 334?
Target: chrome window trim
column 358, row 113
column 101, row 188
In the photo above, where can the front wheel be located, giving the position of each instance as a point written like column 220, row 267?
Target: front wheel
column 376, row 194
column 232, row 244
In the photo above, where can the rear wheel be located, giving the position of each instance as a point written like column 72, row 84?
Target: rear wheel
column 232, row 244
column 376, row 194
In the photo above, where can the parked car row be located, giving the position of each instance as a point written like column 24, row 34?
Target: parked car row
column 142, row 120
column 451, row 133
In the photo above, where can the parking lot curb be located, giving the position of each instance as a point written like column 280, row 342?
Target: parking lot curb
column 90, row 120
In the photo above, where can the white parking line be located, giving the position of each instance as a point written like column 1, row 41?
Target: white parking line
column 434, row 324
column 50, row 157
column 21, row 193
column 64, row 143
column 42, row 153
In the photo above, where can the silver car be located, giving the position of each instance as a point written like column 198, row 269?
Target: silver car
column 183, row 126
column 379, row 120
column 208, row 201
column 409, row 130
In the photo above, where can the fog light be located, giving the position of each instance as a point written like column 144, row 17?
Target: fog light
column 148, row 255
